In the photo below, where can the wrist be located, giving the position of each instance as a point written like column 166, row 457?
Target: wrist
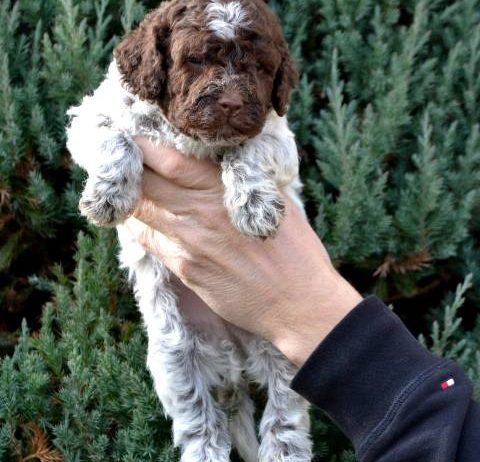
column 312, row 320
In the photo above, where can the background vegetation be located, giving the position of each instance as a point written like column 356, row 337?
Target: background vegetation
column 387, row 119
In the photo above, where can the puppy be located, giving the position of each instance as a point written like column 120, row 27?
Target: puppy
column 213, row 79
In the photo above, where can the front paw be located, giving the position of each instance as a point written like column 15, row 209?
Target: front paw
column 261, row 214
column 108, row 203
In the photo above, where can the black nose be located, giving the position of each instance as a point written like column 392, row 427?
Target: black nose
column 231, row 103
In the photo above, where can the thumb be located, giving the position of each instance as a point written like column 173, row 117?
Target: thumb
column 183, row 170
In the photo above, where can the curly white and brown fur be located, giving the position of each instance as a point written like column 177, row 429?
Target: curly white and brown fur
column 212, row 78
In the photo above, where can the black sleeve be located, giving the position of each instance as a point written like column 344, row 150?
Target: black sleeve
column 394, row 400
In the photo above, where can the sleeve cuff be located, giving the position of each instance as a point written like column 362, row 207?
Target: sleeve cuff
column 356, row 373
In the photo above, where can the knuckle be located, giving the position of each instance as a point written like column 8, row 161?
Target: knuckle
column 181, row 219
column 145, row 238
column 179, row 224
column 175, row 167
column 195, row 243
column 186, row 269
column 143, row 210
column 192, row 267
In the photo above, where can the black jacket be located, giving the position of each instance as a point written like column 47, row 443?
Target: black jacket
column 394, row 400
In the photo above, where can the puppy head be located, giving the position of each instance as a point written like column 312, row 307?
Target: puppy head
column 215, row 67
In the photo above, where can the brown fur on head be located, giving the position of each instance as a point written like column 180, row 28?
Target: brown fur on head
column 214, row 82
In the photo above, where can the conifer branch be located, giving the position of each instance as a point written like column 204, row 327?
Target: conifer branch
column 409, row 263
column 41, row 448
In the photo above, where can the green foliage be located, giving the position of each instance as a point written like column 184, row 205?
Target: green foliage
column 52, row 53
column 448, row 339
column 387, row 120
column 45, row 65
column 82, row 377
column 386, row 115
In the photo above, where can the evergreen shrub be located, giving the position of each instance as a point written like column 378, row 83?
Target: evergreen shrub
column 387, row 120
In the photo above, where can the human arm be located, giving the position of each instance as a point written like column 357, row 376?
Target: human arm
column 384, row 390
column 369, row 374
column 191, row 231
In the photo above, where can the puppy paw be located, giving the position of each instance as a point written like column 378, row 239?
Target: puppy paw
column 261, row 214
column 108, row 203
column 286, row 443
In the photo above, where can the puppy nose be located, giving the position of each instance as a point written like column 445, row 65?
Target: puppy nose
column 231, row 103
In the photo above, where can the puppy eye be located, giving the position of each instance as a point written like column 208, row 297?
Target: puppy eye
column 260, row 67
column 195, row 61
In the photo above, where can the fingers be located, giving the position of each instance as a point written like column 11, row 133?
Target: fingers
column 177, row 167
column 177, row 199
column 162, row 190
column 157, row 218
column 157, row 244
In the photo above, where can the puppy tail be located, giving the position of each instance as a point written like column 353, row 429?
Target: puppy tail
column 242, row 428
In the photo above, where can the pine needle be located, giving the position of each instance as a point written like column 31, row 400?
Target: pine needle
column 41, row 447
column 4, row 197
column 407, row 264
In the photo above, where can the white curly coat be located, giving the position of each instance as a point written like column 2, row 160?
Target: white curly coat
column 201, row 379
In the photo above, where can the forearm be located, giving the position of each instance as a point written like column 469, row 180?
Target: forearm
column 369, row 374
column 388, row 394
column 298, row 333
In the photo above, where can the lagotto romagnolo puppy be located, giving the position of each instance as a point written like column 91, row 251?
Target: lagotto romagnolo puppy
column 212, row 78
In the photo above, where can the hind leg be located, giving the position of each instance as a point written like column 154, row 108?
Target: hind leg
column 176, row 360
column 200, row 427
column 285, row 425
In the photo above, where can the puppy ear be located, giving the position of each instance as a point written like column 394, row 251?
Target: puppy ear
column 285, row 81
column 141, row 56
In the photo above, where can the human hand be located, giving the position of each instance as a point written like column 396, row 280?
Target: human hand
column 284, row 289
